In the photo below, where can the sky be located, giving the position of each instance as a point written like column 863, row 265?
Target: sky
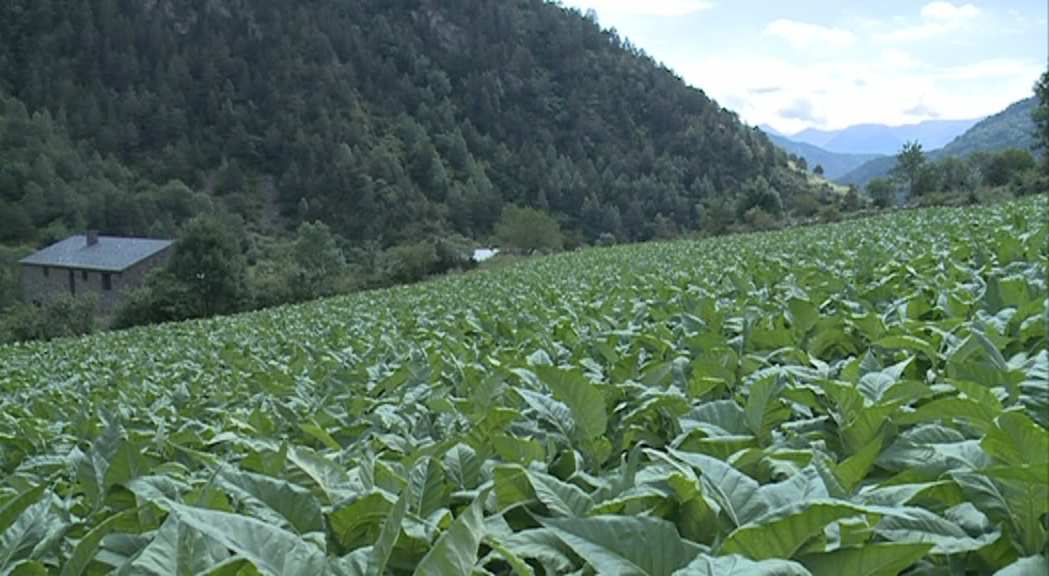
column 831, row 64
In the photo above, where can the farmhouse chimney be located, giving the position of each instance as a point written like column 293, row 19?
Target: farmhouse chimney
column 92, row 237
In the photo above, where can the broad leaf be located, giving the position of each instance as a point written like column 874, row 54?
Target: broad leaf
column 873, row 559
column 624, row 545
column 272, row 550
column 737, row 565
column 456, row 550
column 785, row 535
column 274, row 501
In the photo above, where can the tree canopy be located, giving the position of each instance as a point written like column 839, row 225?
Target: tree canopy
column 388, row 121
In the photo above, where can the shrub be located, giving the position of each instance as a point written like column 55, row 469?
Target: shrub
column 528, row 230
column 60, row 316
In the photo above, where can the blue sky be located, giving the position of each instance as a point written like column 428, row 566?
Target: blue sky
column 831, row 64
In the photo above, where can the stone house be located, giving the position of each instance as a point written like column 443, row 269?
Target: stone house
column 107, row 266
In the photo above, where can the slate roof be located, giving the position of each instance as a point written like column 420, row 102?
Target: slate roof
column 110, row 254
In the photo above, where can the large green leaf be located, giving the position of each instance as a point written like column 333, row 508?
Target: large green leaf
column 585, row 400
column 855, row 468
column 561, row 498
column 736, row 493
column 922, row 526
column 13, row 507
column 980, row 415
column 765, row 410
column 126, row 464
column 737, row 565
column 1016, row 440
column 873, row 559
column 463, row 465
column 1030, row 566
column 274, row 501
column 87, row 547
column 271, row 549
column 428, row 488
column 176, row 548
column 783, row 536
column 35, row 530
column 543, row 546
column 391, row 529
column 329, row 479
column 624, row 545
column 804, row 486
column 352, row 522
column 455, row 552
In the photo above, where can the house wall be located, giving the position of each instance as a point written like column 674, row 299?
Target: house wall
column 39, row 283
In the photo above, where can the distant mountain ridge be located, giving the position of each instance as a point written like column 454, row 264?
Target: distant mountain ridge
column 834, row 164
column 1010, row 127
column 883, row 139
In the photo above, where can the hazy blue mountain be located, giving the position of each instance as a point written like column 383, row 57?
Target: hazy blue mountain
column 834, row 164
column 1010, row 127
column 882, row 139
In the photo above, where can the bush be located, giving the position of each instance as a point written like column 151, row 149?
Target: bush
column 1029, row 183
column 159, row 299
column 806, row 204
column 409, row 263
column 829, row 214
column 758, row 219
column 881, row 192
column 528, row 230
column 60, row 316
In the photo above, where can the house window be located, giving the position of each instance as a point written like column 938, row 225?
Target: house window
column 47, row 272
column 83, row 275
column 107, row 281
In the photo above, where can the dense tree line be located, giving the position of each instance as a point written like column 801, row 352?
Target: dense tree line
column 392, row 121
column 982, row 177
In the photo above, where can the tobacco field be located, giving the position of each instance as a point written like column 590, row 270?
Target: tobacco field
column 864, row 398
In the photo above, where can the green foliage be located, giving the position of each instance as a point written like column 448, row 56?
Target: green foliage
column 384, row 125
column 57, row 317
column 759, row 194
column 320, row 261
column 909, row 170
column 206, row 275
column 208, row 264
column 860, row 398
column 1040, row 115
column 10, row 276
column 882, row 192
column 528, row 230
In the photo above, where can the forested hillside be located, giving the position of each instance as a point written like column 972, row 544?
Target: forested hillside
column 1013, row 126
column 390, row 120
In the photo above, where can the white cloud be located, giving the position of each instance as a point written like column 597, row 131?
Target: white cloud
column 665, row 8
column 913, row 32
column 940, row 18
column 947, row 11
column 806, row 35
column 892, row 88
column 992, row 69
column 897, row 59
